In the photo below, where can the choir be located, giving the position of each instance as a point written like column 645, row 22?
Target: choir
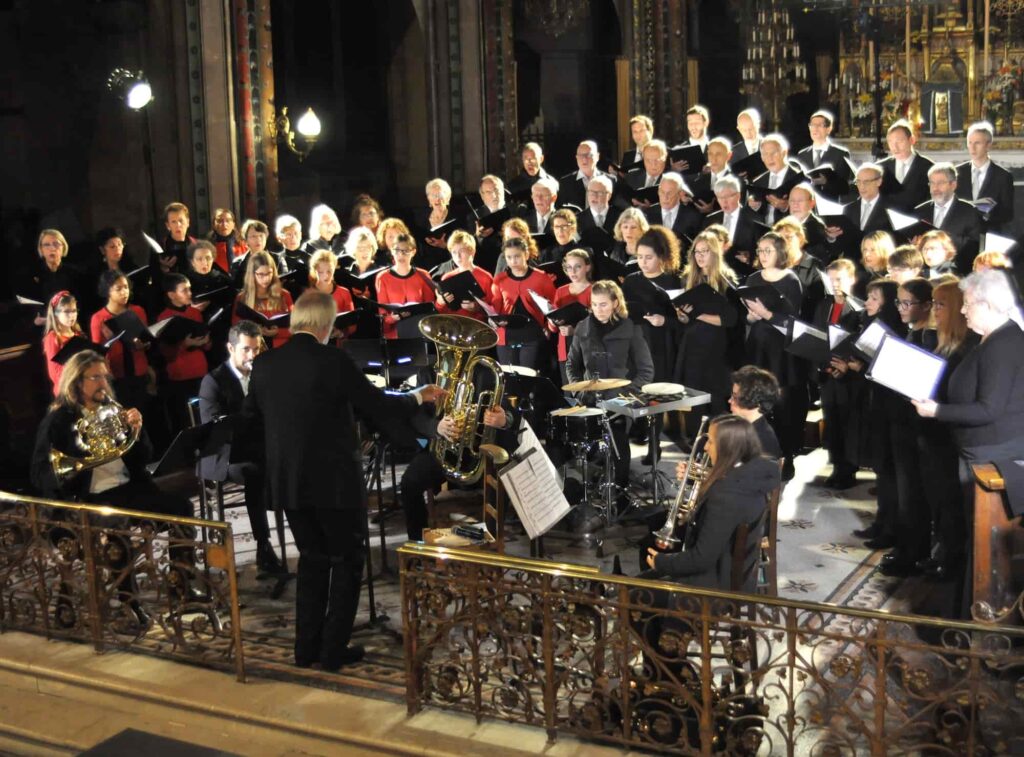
column 759, row 242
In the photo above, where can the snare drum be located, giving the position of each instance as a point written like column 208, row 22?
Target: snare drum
column 576, row 425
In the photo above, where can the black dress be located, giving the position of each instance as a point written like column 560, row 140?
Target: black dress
column 702, row 358
column 644, row 299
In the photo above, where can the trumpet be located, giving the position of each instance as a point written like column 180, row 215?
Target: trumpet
column 698, row 465
column 103, row 434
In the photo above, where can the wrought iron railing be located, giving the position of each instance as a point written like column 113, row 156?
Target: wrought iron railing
column 656, row 666
column 120, row 579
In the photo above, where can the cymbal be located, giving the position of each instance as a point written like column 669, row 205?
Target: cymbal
column 596, row 385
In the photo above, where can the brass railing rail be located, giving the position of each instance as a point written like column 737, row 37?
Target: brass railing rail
column 120, row 579
column 652, row 665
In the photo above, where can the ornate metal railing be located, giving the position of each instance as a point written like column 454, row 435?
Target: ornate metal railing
column 654, row 666
column 120, row 579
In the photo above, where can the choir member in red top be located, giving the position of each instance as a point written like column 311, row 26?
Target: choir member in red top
column 262, row 291
column 402, row 283
column 521, row 346
column 462, row 246
column 576, row 265
column 322, row 266
column 127, row 360
column 226, row 239
column 61, row 325
column 184, row 359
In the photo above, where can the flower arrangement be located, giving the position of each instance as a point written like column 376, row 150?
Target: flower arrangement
column 1000, row 89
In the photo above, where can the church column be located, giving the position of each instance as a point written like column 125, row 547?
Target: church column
column 659, row 81
column 500, row 133
column 253, row 53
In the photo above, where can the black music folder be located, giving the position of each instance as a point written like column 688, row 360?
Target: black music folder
column 77, row 344
column 749, row 167
column 246, row 313
column 769, row 296
column 694, row 156
column 463, row 286
column 807, row 342
column 568, row 315
column 494, row 221
column 704, row 300
column 345, row 278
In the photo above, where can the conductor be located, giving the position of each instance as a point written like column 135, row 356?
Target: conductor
column 303, row 396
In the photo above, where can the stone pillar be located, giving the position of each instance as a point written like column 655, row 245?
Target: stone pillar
column 658, row 52
column 501, row 138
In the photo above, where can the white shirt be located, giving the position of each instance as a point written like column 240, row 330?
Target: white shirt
column 580, row 176
column 668, row 217
column 703, row 142
column 753, row 145
column 866, row 208
column 729, row 221
column 903, row 167
column 940, row 213
column 542, row 221
column 108, row 476
column 599, row 215
column 650, row 181
column 978, row 178
column 242, row 379
column 818, row 152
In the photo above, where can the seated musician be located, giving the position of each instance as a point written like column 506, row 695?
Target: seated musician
column 221, row 394
column 609, row 345
column 734, row 492
column 425, row 472
column 754, row 393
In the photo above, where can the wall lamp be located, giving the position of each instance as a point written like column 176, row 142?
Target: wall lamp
column 280, row 128
column 130, row 86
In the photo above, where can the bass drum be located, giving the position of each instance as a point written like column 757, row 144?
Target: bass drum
column 576, row 425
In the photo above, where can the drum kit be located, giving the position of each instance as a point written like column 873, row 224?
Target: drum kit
column 585, row 432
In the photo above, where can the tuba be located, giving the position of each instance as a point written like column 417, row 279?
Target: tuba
column 698, row 465
column 458, row 339
column 102, row 434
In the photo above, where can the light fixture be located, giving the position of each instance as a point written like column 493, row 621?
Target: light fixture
column 280, row 129
column 130, row 86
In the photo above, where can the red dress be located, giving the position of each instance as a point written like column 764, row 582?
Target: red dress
column 508, row 290
column 564, row 297
column 52, row 343
column 183, row 363
column 263, row 307
column 395, row 289
column 486, row 282
column 343, row 302
column 116, row 354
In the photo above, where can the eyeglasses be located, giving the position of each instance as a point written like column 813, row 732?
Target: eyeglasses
column 401, row 251
column 561, row 226
column 860, row 182
column 905, row 304
column 97, row 377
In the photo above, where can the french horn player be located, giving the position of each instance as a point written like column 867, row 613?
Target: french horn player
column 91, row 449
column 474, row 411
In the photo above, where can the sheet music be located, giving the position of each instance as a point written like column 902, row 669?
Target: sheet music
column 827, row 207
column 826, row 282
column 545, row 306
column 906, row 369
column 533, row 485
column 800, row 328
column 836, row 336
column 872, row 337
column 153, row 243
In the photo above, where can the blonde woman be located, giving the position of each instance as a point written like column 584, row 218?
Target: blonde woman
column 263, row 292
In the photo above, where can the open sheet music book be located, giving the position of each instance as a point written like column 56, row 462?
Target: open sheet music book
column 533, row 486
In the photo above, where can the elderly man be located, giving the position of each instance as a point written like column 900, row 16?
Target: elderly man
column 596, row 224
column 947, row 212
column 866, row 214
column 303, row 399
column 573, row 186
column 905, row 181
column 823, row 150
column 655, row 154
column 775, row 183
column 674, row 209
column 980, row 178
column 544, row 193
column 488, row 249
column 741, row 222
column 533, row 160
column 703, row 184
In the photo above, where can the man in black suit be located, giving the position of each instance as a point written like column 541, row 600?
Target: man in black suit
column 533, row 160
column 596, row 224
column 742, row 223
column 981, row 178
column 698, row 119
column 866, row 214
column 703, row 184
column 572, row 188
column 780, row 176
column 641, row 129
column 675, row 210
column 222, row 393
column 304, row 396
column 905, row 178
column 543, row 195
column 649, row 174
column 823, row 150
column 748, row 124
column 947, row 212
column 801, row 207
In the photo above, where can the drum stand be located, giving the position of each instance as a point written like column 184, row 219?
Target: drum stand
column 660, row 484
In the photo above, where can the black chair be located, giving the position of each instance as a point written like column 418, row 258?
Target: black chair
column 219, row 488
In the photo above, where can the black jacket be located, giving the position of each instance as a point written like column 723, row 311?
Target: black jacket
column 686, row 226
column 220, row 394
column 997, row 185
column 621, row 353
column 914, row 189
column 737, row 499
column 304, row 398
column 963, row 224
column 838, row 184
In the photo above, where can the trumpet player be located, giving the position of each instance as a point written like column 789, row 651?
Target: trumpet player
column 119, row 478
column 734, row 492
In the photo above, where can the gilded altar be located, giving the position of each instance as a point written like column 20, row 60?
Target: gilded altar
column 941, row 64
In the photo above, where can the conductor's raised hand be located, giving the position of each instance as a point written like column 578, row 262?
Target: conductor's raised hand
column 432, row 393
